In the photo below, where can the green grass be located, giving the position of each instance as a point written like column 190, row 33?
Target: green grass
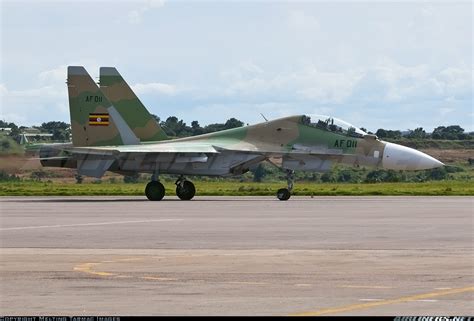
column 229, row 188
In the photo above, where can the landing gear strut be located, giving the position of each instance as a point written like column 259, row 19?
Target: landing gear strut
column 284, row 194
column 154, row 190
column 185, row 189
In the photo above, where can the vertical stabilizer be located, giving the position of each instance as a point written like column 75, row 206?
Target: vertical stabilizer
column 94, row 121
column 142, row 123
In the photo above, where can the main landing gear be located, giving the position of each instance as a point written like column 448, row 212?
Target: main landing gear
column 185, row 189
column 155, row 191
column 284, row 194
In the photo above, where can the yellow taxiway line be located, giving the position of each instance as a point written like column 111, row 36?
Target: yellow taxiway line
column 410, row 298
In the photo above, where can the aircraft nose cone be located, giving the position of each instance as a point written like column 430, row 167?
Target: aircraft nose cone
column 399, row 157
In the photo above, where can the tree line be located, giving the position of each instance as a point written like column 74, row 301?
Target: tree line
column 175, row 127
column 453, row 132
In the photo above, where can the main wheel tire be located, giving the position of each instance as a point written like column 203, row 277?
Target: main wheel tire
column 186, row 191
column 283, row 194
column 155, row 191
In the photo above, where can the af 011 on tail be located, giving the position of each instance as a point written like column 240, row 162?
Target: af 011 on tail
column 113, row 131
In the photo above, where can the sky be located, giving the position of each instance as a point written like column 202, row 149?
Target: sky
column 393, row 65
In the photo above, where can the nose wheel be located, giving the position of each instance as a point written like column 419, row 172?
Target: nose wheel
column 185, row 189
column 284, row 194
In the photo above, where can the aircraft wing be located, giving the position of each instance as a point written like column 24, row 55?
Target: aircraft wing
column 172, row 147
column 95, row 160
column 203, row 147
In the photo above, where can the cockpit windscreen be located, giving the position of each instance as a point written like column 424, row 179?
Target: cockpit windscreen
column 333, row 125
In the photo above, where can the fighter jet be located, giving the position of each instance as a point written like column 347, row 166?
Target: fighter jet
column 113, row 131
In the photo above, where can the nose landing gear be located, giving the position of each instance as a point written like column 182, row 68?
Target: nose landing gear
column 284, row 194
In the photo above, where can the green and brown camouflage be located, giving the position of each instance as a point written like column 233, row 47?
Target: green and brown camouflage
column 122, row 97
column 86, row 99
column 104, row 141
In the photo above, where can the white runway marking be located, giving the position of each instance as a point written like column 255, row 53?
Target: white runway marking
column 87, row 224
column 426, row 300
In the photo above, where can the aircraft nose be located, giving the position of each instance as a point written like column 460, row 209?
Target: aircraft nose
column 399, row 157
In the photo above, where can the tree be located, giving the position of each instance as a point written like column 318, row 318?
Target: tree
column 381, row 133
column 327, row 177
column 233, row 123
column 79, row 178
column 450, row 132
column 175, row 127
column 178, row 128
column 346, row 175
column 418, row 133
column 132, row 178
column 195, row 124
column 374, row 176
column 214, row 128
column 230, row 123
column 259, row 173
column 386, row 133
column 196, row 129
column 15, row 130
column 156, row 118
column 59, row 129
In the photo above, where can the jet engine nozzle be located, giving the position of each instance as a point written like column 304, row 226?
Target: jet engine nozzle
column 400, row 157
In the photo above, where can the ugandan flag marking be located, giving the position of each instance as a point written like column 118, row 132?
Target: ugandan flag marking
column 98, row 119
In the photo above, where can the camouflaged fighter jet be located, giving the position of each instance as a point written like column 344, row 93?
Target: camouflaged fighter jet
column 113, row 131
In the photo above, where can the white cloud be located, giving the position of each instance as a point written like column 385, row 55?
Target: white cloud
column 55, row 75
column 308, row 83
column 294, row 57
column 301, row 20
column 389, row 81
column 325, row 86
column 455, row 80
column 154, row 88
column 136, row 16
column 444, row 111
column 46, row 101
column 3, row 90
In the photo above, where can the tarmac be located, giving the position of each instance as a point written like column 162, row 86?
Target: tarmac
column 237, row 256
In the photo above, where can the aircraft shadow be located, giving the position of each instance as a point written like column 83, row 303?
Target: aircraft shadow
column 70, row 200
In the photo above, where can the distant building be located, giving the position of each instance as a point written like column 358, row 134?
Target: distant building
column 31, row 133
column 31, row 130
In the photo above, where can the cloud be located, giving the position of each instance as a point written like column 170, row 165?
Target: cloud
column 136, row 16
column 305, row 83
column 326, row 86
column 444, row 111
column 389, row 81
column 45, row 101
column 55, row 75
column 154, row 88
column 3, row 90
column 455, row 80
column 300, row 20
column 385, row 81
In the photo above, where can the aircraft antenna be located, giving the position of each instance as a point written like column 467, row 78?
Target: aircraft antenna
column 264, row 117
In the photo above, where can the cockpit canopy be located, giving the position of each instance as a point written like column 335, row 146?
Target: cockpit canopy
column 333, row 125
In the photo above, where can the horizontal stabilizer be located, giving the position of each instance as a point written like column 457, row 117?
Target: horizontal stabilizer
column 93, row 166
